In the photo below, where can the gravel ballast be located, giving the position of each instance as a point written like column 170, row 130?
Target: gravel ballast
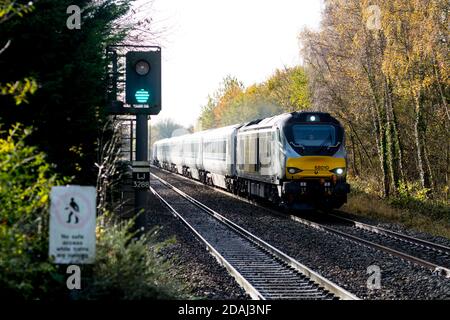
column 340, row 260
column 398, row 228
column 193, row 264
column 433, row 256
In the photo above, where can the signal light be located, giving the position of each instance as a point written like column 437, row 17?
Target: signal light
column 143, row 80
column 142, row 96
column 142, row 68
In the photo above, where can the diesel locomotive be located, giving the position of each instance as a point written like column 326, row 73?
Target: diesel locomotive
column 296, row 159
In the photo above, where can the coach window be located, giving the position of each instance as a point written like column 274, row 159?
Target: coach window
column 264, row 149
column 240, row 152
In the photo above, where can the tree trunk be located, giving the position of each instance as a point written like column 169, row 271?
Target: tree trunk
column 384, row 163
column 379, row 124
column 394, row 156
column 430, row 175
column 382, row 150
column 447, row 171
column 418, row 140
column 398, row 146
column 355, row 164
column 442, row 96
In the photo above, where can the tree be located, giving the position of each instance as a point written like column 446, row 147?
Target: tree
column 289, row 89
column 26, row 179
column 19, row 89
column 389, row 85
column 232, row 103
column 67, row 112
column 167, row 128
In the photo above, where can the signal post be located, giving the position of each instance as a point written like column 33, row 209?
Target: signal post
column 143, row 98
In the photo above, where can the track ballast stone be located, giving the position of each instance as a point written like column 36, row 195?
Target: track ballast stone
column 194, row 265
column 340, row 260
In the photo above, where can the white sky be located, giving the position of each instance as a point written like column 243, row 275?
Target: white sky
column 210, row 39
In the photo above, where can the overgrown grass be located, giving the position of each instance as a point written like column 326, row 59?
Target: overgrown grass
column 410, row 208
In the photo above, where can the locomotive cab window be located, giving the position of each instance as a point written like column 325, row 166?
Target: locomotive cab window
column 314, row 135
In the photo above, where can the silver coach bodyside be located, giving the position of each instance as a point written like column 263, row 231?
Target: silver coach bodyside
column 154, row 150
column 219, row 156
column 176, row 153
column 160, row 152
column 192, row 154
column 260, row 150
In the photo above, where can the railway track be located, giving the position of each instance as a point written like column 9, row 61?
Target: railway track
column 262, row 270
column 391, row 249
column 436, row 255
column 432, row 256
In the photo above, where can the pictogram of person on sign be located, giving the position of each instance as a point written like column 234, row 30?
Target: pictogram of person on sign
column 74, row 210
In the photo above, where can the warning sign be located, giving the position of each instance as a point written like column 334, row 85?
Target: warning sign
column 72, row 224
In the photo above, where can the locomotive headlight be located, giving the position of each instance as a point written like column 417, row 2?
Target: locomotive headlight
column 339, row 171
column 294, row 170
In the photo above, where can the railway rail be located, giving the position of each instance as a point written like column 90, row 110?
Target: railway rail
column 262, row 270
column 436, row 255
column 424, row 262
column 432, row 256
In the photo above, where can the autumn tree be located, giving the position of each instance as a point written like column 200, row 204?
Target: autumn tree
column 382, row 67
column 285, row 91
column 67, row 111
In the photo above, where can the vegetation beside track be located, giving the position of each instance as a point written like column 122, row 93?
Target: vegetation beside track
column 125, row 268
column 411, row 208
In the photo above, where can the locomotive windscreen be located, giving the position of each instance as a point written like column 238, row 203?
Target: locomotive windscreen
column 314, row 135
column 314, row 139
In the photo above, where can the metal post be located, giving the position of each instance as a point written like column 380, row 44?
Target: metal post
column 141, row 155
column 114, row 74
column 141, row 137
column 131, row 139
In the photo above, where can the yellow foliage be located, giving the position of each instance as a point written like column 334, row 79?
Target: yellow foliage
column 19, row 89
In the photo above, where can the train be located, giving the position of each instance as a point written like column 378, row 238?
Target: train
column 296, row 160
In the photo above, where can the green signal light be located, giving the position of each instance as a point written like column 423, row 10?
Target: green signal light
column 142, row 96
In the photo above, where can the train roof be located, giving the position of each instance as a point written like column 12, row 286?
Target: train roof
column 265, row 123
column 281, row 119
column 209, row 132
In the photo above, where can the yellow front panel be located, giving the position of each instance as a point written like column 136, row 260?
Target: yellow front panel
column 314, row 166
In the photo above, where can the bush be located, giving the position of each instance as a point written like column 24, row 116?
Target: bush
column 365, row 185
column 128, row 268
column 411, row 196
column 25, row 183
column 125, row 268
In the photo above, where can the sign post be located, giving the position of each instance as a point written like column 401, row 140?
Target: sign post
column 141, row 188
column 72, row 224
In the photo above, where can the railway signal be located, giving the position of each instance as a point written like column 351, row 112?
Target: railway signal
column 143, row 98
column 143, row 80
